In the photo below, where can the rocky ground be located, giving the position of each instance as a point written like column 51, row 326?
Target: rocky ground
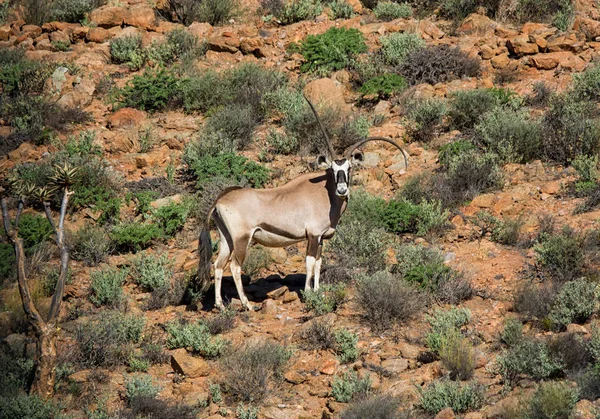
column 532, row 52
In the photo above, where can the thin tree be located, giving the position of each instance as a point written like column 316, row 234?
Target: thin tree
column 45, row 329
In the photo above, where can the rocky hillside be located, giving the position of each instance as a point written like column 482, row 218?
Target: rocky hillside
column 463, row 285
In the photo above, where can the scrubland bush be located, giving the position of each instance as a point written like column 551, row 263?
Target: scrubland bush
column 288, row 12
column 326, row 299
column 107, row 286
column 349, row 387
column 127, row 50
column 152, row 91
column 552, row 399
column 195, row 336
column 140, row 386
column 383, row 86
column 377, row 407
column 512, row 333
column 469, row 174
column 215, row 12
column 151, row 407
column 570, row 350
column 257, row 259
column 34, row 230
column 319, row 334
column 116, row 331
column 529, row 357
column 437, row 64
column 387, row 10
column 172, row 217
column 362, row 247
column 562, row 256
column 457, row 356
column 331, row 50
column 586, row 85
column 151, row 271
column 535, row 301
column 341, row 9
column 467, row 107
column 90, row 245
column 460, row 397
column 345, row 345
column 386, row 299
column 575, row 303
column 25, row 406
column 133, row 236
column 505, row 231
column 427, row 117
column 587, row 171
column 7, row 262
column 250, row 371
column 444, row 324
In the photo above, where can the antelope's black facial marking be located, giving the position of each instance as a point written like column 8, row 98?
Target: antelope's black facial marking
column 341, row 175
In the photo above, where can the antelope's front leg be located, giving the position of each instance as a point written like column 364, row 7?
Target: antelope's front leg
column 311, row 255
column 318, row 262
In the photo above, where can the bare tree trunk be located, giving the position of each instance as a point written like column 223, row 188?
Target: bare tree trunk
column 45, row 369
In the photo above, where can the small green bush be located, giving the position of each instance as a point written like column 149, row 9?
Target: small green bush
column 535, row 301
column 387, row 10
column 502, row 231
column 140, row 386
column 451, row 151
column 136, row 364
column 221, row 322
column 444, row 324
column 562, row 256
column 469, row 174
column 325, row 300
column 552, row 399
column 362, row 247
column 575, row 303
column 107, row 286
column 26, row 406
column 467, row 107
column 152, row 271
column 528, row 357
column 341, row 9
column 257, row 260
column 281, row 143
column 586, row 85
column 512, row 334
column 127, row 50
column 248, row 371
column 569, row 129
column 427, row 117
column 171, row 217
column 8, row 265
column 195, row 336
column 534, row 11
column 383, row 86
column 350, row 387
column 318, row 334
column 437, row 64
column 91, row 245
column 443, row 393
column 116, row 331
column 233, row 124
column 511, row 134
column 587, row 170
column 215, row 12
column 386, row 299
column 203, row 91
column 19, row 75
column 395, row 47
column 345, row 345
column 152, row 91
column 132, row 236
column 34, row 230
column 227, row 165
column 73, row 11
column 457, row 356
column 331, row 50
column 377, row 407
column 244, row 412
column 288, row 12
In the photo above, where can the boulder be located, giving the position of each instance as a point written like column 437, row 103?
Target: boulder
column 190, row 366
column 326, row 92
column 395, row 365
column 224, row 44
column 447, row 413
column 108, row 16
column 589, row 27
column 140, row 16
column 126, row 117
column 60, row 36
column 476, row 24
column 98, row 35
column 200, row 29
column 520, row 45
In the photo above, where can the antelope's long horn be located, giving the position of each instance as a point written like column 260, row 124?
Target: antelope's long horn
column 387, row 140
column 329, row 146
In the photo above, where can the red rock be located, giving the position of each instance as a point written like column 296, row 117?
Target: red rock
column 329, row 367
column 447, row 413
column 200, row 29
column 60, row 36
column 125, row 117
column 190, row 366
column 520, row 45
column 476, row 24
column 5, row 33
column 269, row 307
column 326, row 92
column 250, row 45
column 32, row 31
column 294, row 377
column 224, row 44
column 500, row 61
column 164, row 26
column 290, row 297
column 570, row 42
column 108, row 16
column 98, row 35
column 429, row 30
column 140, row 16
column 589, row 27
column 503, row 32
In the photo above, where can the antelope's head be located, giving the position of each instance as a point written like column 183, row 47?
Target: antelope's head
column 340, row 166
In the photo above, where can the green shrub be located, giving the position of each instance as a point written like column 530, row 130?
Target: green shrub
column 586, row 85
column 90, row 245
column 383, row 86
column 19, row 75
column 377, row 407
column 8, row 265
column 325, row 300
column 203, row 91
column 386, row 299
column 457, row 356
column 366, row 209
column 248, row 371
column 132, row 236
column 561, row 256
column 341, row 9
column 587, row 170
column 534, row 11
column 528, row 357
column 350, row 387
column 227, row 165
column 221, row 322
column 575, row 303
column 387, row 10
column 26, row 406
column 512, row 333
column 552, row 399
column 233, row 124
column 427, row 117
column 257, row 260
column 136, row 364
column 281, row 143
column 127, row 50
column 153, row 91
column 345, row 345
column 288, row 12
column 588, row 382
column 437, row 64
column 509, row 133
column 331, row 50
column 107, row 286
column 318, row 334
column 361, row 247
column 502, row 231
column 569, row 129
column 34, row 230
column 196, row 337
column 180, row 44
column 467, row 107
column 116, row 331
column 244, row 412
column 535, row 301
column 443, row 393
column 140, row 386
column 444, row 324
column 171, row 217
column 453, row 150
column 469, row 174
column 152, row 271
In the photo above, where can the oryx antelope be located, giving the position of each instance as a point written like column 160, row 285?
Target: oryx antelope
column 307, row 208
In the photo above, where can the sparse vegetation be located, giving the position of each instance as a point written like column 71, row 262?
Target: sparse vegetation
column 151, row 271
column 91, row 245
column 140, row 386
column 132, row 236
column 345, row 345
column 445, row 324
column 427, row 116
column 552, row 399
column 575, row 303
column 331, row 50
column 196, row 337
column 324, row 300
column 377, row 407
column 349, row 387
column 460, row 397
column 107, row 286
column 387, row 10
column 561, row 256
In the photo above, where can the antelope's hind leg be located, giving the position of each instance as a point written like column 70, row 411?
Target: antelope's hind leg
column 311, row 261
column 239, row 255
column 220, row 264
column 318, row 262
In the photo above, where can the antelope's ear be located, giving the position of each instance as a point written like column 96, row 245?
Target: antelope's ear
column 323, row 162
column 358, row 157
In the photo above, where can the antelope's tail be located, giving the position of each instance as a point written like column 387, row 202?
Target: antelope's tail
column 205, row 255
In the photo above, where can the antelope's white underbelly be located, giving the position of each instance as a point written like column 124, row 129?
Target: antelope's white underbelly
column 269, row 239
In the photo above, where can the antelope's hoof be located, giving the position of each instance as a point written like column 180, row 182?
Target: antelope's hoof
column 220, row 306
column 249, row 307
